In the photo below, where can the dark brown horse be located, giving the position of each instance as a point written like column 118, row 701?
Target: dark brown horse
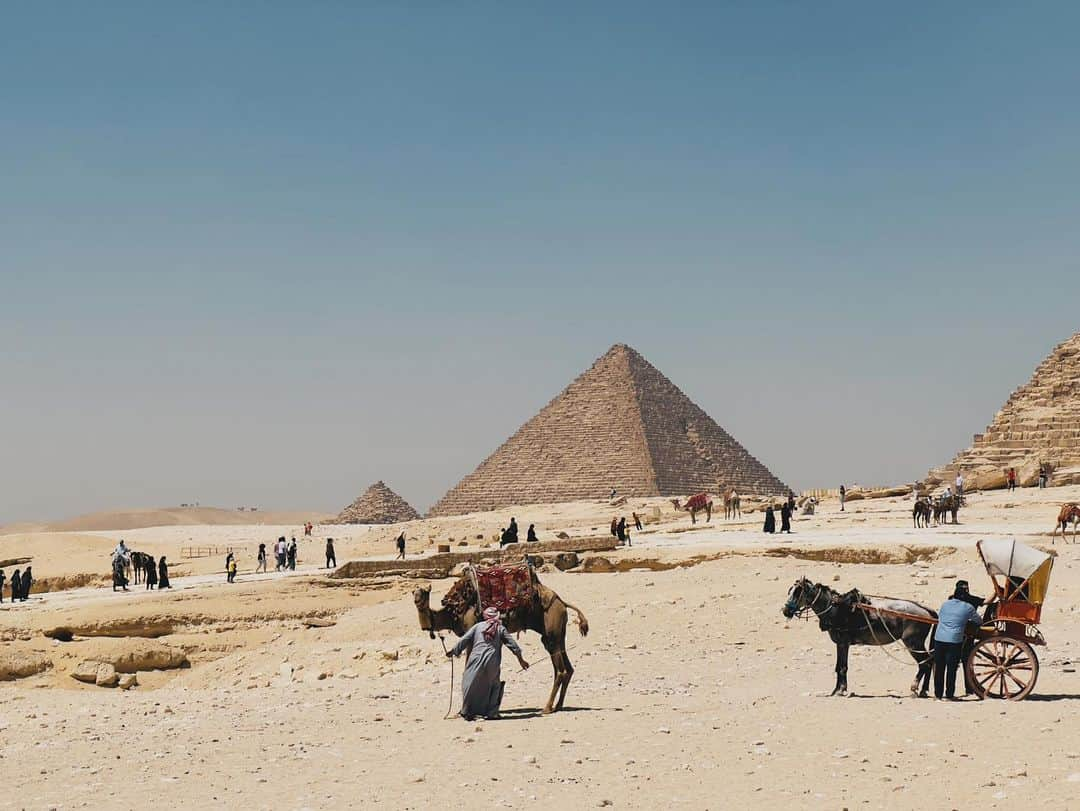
column 848, row 622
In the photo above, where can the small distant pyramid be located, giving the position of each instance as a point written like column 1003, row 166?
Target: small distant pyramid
column 378, row 505
column 620, row 425
column 1040, row 424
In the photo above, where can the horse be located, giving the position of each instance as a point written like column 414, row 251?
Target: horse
column 945, row 506
column 920, row 513
column 848, row 622
column 1069, row 512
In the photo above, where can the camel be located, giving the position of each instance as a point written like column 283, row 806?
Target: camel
column 1069, row 512
column 698, row 503
column 731, row 503
column 546, row 615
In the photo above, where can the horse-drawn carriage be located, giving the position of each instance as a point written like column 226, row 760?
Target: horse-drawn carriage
column 1000, row 660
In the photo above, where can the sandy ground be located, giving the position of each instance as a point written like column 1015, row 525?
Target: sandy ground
column 691, row 689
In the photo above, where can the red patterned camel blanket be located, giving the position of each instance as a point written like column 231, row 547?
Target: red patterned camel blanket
column 505, row 587
column 697, row 502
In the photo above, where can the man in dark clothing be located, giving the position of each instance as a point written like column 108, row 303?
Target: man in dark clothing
column 785, row 517
column 843, row 493
column 770, row 520
column 531, row 536
column 331, row 558
column 27, row 582
column 637, row 521
column 400, row 547
column 954, row 618
column 3, row 577
column 513, row 530
column 620, row 530
column 292, row 555
column 615, row 527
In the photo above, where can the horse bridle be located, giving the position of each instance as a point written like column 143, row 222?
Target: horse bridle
column 797, row 611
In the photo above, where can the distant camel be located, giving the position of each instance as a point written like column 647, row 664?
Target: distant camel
column 699, row 502
column 732, row 504
column 546, row 615
column 1069, row 512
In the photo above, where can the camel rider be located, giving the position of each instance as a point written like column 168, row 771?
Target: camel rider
column 481, row 687
column 122, row 551
column 956, row 615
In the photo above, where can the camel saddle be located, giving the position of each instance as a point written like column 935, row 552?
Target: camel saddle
column 697, row 502
column 505, row 587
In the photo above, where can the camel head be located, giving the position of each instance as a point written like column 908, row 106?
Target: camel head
column 422, row 599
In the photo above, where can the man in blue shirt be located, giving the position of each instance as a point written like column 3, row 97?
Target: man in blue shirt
column 957, row 613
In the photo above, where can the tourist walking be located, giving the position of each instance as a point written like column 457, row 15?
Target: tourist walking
column 785, row 517
column 620, row 530
column 331, row 558
column 956, row 614
column 843, row 494
column 1011, row 478
column 279, row 554
column 291, row 554
column 481, row 686
column 637, row 521
column 163, row 575
column 230, row 570
column 400, row 547
column 261, row 567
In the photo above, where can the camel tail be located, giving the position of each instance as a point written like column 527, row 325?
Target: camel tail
column 583, row 624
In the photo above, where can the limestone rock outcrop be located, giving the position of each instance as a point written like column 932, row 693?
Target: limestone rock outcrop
column 18, row 664
column 1039, row 425
column 378, row 505
column 621, row 424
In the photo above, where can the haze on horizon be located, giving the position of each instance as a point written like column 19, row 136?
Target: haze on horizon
column 265, row 255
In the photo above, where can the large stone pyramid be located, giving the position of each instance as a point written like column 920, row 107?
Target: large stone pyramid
column 1040, row 424
column 621, row 424
column 378, row 505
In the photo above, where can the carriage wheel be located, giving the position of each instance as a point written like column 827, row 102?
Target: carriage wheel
column 1002, row 667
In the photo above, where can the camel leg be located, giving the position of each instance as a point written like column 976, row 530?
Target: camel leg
column 554, row 652
column 567, row 674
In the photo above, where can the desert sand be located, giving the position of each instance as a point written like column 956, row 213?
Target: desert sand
column 691, row 690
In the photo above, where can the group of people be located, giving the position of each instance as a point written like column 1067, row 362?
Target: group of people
column 787, row 509
column 284, row 556
column 509, row 534
column 621, row 531
column 156, row 572
column 20, row 585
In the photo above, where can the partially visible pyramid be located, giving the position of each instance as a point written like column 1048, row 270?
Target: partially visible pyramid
column 620, row 425
column 378, row 505
column 1040, row 424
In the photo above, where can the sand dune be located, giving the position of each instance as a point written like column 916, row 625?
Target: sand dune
column 164, row 517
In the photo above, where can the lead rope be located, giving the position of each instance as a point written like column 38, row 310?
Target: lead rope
column 450, row 708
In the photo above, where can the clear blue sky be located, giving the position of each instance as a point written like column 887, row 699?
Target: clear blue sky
column 267, row 254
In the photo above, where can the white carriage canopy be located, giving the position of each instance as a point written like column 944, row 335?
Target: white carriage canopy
column 1018, row 563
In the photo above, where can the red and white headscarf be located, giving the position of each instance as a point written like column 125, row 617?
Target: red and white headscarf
column 491, row 630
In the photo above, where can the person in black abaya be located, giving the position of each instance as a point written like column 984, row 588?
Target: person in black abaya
column 785, row 518
column 16, row 585
column 531, row 537
column 3, row 577
column 770, row 520
column 151, row 573
column 163, row 575
column 27, row 582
